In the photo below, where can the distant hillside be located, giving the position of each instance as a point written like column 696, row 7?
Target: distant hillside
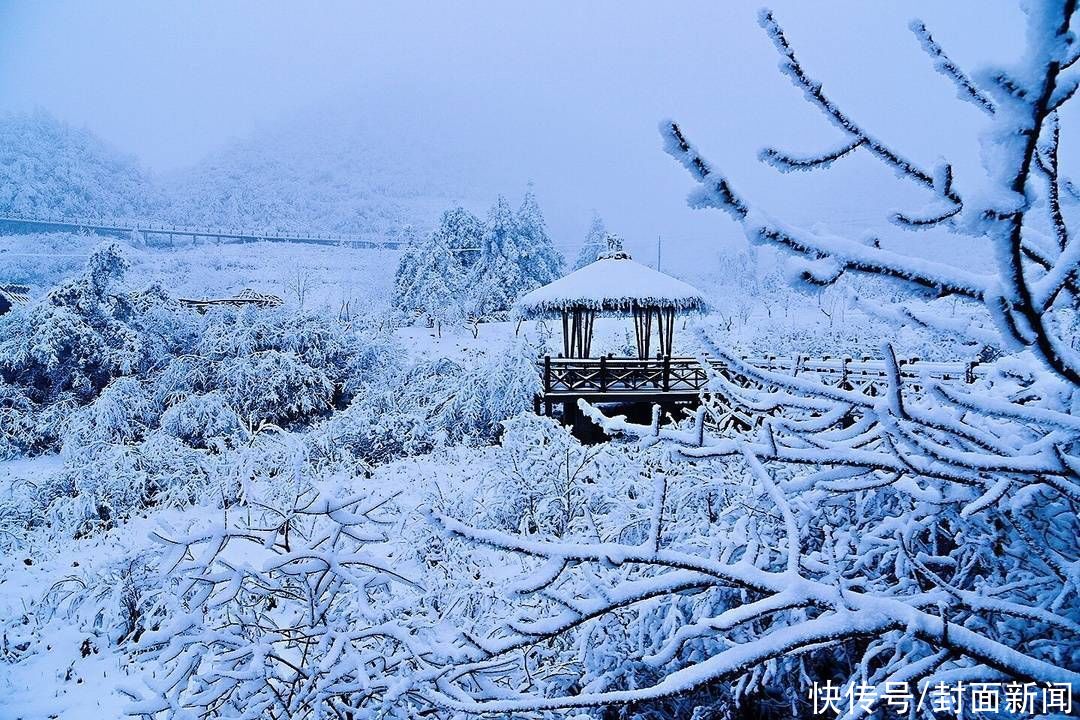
column 337, row 174
column 50, row 168
column 343, row 174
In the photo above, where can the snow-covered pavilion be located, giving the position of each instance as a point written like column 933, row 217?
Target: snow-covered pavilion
column 613, row 285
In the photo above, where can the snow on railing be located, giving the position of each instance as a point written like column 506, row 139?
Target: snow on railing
column 136, row 226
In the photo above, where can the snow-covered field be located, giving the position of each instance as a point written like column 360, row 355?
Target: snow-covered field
column 343, row 506
column 72, row 605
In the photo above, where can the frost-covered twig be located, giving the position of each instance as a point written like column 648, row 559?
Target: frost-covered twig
column 965, row 88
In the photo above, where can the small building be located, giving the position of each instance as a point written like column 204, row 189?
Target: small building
column 246, row 298
column 12, row 295
column 613, row 285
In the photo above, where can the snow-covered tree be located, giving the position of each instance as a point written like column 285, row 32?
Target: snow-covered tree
column 429, row 280
column 542, row 262
column 595, row 243
column 497, row 277
column 463, row 233
column 924, row 537
column 516, row 256
column 408, row 265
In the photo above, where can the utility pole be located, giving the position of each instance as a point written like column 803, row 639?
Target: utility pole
column 658, row 253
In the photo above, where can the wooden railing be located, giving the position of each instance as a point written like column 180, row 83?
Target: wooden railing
column 619, row 375
column 684, row 378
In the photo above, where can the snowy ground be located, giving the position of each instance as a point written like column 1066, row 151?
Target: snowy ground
column 328, row 277
column 71, row 669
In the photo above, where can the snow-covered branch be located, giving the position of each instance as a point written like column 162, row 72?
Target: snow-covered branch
column 924, row 532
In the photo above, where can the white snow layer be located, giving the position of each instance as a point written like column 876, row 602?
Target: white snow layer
column 614, row 285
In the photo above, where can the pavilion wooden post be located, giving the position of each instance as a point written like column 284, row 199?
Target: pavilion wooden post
column 577, row 331
column 665, row 326
column 565, row 333
column 636, row 311
column 642, row 329
column 589, row 317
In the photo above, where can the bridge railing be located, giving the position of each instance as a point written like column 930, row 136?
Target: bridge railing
column 129, row 225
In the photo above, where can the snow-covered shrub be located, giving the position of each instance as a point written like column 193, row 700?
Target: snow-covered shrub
column 30, row 428
column 78, row 339
column 416, row 408
column 545, row 482
column 203, row 421
column 286, row 614
column 498, row 388
column 389, row 419
column 63, row 352
column 270, row 367
column 122, row 413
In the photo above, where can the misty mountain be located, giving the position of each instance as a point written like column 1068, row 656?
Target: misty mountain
column 320, row 171
column 332, row 170
column 50, row 168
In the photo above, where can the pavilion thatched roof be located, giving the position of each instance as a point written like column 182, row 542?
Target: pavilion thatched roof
column 611, row 285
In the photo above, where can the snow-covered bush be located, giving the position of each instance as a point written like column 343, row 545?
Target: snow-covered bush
column 498, row 388
column 203, row 421
column 78, row 339
column 284, row 613
column 418, row 407
column 62, row 352
column 540, row 480
column 926, row 536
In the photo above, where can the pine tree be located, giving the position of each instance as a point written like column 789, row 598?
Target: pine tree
column 463, row 233
column 497, row 277
column 429, row 279
column 516, row 256
column 405, row 276
column 540, row 260
column 594, row 243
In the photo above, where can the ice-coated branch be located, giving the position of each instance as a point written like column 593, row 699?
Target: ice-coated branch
column 717, row 193
column 786, row 163
column 813, row 92
column 965, row 88
column 1011, row 150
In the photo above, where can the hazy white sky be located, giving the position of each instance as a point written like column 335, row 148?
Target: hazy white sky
column 568, row 94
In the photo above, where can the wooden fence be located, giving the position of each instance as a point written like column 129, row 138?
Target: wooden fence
column 669, row 380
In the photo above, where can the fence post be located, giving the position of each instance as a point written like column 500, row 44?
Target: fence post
column 547, row 374
column 603, row 373
column 667, row 373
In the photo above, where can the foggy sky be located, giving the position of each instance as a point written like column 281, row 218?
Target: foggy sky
column 566, row 94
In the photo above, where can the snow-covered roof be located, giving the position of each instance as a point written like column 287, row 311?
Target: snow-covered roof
column 15, row 294
column 246, row 297
column 611, row 284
